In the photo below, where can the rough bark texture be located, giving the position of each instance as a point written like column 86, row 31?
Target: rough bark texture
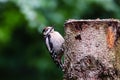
column 92, row 49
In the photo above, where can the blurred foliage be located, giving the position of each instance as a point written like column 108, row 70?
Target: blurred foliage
column 23, row 54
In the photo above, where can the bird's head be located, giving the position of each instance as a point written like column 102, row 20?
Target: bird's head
column 47, row 30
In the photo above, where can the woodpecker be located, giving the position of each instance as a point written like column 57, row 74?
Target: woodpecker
column 54, row 42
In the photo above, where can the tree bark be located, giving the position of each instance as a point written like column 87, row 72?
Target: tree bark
column 92, row 49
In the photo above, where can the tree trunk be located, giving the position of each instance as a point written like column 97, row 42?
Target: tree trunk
column 92, row 49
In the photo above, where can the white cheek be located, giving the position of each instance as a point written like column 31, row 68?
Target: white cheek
column 44, row 33
column 47, row 32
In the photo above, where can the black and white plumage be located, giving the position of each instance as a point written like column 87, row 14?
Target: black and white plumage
column 54, row 42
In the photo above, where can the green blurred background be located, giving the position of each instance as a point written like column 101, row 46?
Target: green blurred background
column 23, row 54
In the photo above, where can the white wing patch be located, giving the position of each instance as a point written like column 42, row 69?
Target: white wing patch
column 47, row 43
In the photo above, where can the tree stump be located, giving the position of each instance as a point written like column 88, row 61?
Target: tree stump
column 92, row 49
